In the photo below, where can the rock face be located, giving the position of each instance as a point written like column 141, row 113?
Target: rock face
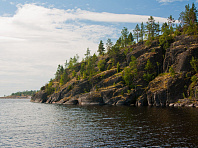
column 108, row 87
column 180, row 53
column 39, row 97
column 164, row 90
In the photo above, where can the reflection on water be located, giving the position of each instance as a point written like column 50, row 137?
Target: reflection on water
column 46, row 125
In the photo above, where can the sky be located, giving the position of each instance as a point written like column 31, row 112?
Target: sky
column 38, row 35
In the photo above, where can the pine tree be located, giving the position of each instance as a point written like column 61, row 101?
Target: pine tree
column 136, row 32
column 59, row 72
column 166, row 38
column 130, row 39
column 151, row 27
column 87, row 54
column 124, row 37
column 119, row 42
column 157, row 28
column 188, row 19
column 171, row 22
column 109, row 45
column 101, row 48
column 142, row 32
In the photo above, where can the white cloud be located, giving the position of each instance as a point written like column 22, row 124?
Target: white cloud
column 111, row 17
column 36, row 39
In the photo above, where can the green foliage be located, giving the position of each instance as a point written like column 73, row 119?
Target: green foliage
column 42, row 88
column 73, row 73
column 166, row 38
column 128, row 91
column 151, row 31
column 109, row 67
column 118, row 42
column 142, row 32
column 118, row 67
column 148, row 43
column 133, row 63
column 59, row 72
column 97, row 88
column 194, row 79
column 172, row 71
column 114, row 53
column 49, row 89
column 194, row 64
column 149, row 66
column 101, row 65
column 188, row 19
column 130, row 72
column 136, row 32
column 88, row 67
column 87, row 54
column 109, row 45
column 101, row 48
column 64, row 78
column 151, row 28
column 124, row 37
column 177, row 33
column 122, row 93
column 24, row 93
column 184, row 96
column 82, row 68
column 149, row 75
column 130, row 39
column 127, row 76
column 73, row 61
column 84, row 75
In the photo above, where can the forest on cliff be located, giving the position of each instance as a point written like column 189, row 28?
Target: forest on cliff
column 153, row 65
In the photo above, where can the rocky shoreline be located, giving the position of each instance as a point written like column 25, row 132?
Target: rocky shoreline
column 108, row 87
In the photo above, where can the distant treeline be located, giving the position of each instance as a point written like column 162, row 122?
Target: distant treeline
column 24, row 93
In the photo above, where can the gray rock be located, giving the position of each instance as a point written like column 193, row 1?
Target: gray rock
column 71, row 102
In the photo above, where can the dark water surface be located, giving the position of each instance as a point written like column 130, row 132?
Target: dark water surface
column 25, row 124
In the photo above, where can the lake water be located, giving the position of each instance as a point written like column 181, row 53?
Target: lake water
column 26, row 124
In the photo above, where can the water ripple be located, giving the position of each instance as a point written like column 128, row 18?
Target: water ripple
column 25, row 124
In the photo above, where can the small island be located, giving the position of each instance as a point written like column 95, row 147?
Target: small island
column 153, row 65
column 21, row 95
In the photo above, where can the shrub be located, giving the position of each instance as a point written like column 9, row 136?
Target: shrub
column 194, row 64
column 101, row 65
column 172, row 71
column 118, row 67
column 194, row 79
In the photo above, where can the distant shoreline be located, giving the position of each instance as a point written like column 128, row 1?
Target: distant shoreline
column 16, row 97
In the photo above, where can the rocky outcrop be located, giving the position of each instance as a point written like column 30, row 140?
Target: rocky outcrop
column 39, row 97
column 108, row 87
column 164, row 90
column 180, row 53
